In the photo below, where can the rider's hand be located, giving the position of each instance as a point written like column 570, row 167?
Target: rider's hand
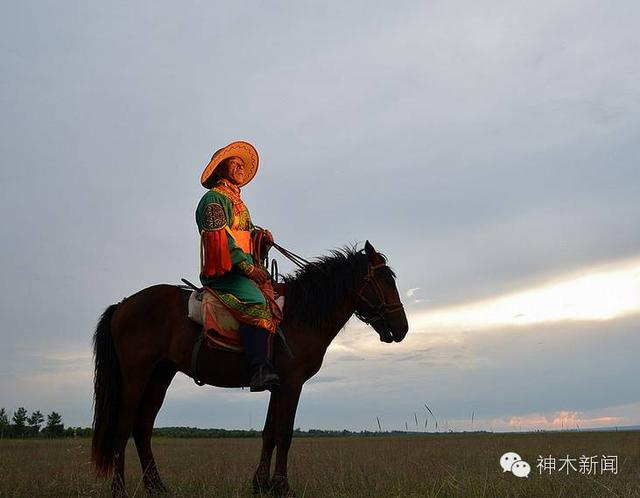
column 258, row 275
column 268, row 236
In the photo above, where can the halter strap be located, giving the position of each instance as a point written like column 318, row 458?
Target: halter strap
column 382, row 309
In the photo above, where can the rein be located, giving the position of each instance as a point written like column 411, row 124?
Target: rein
column 298, row 260
column 259, row 256
column 382, row 309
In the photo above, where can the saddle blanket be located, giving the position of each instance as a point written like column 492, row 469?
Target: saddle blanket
column 220, row 326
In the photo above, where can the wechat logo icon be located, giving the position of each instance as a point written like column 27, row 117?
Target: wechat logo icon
column 512, row 462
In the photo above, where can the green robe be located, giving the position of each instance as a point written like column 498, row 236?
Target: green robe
column 239, row 293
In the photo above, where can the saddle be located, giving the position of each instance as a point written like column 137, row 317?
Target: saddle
column 220, row 327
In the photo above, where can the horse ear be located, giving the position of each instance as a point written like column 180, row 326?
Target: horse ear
column 372, row 254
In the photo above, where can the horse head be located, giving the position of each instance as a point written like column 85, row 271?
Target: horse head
column 378, row 301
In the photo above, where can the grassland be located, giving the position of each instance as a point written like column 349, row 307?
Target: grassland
column 419, row 466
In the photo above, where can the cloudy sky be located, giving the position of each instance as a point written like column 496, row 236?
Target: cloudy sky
column 489, row 149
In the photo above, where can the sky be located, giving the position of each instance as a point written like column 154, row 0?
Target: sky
column 489, row 149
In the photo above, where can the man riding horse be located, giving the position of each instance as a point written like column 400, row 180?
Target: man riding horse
column 143, row 341
column 229, row 261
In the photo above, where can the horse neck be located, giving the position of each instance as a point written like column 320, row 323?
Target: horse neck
column 336, row 321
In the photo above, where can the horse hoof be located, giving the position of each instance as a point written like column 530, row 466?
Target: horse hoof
column 280, row 487
column 159, row 492
column 260, row 486
column 118, row 489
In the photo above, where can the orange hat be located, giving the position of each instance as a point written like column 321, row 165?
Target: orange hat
column 243, row 150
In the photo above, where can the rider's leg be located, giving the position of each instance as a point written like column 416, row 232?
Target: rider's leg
column 254, row 341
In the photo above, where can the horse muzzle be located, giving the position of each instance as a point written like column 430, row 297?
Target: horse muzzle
column 390, row 335
column 386, row 336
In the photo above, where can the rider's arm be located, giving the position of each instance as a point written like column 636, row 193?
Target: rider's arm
column 219, row 252
column 215, row 256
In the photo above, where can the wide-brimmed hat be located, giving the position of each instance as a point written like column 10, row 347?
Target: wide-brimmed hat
column 243, row 150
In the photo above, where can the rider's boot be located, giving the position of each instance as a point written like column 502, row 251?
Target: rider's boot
column 254, row 341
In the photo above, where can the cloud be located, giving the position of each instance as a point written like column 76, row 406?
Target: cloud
column 411, row 292
column 612, row 416
column 560, row 420
column 323, row 379
column 575, row 297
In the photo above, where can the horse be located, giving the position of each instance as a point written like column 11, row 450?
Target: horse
column 143, row 341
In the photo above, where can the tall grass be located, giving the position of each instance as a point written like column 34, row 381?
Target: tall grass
column 411, row 466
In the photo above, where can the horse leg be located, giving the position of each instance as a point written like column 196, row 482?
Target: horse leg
column 143, row 425
column 261, row 478
column 132, row 390
column 287, row 403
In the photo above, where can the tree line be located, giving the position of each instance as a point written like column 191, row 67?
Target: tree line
column 196, row 432
column 22, row 425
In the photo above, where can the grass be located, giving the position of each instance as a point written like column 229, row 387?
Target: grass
column 433, row 465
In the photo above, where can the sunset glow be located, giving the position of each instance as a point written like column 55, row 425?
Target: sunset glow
column 560, row 420
column 603, row 293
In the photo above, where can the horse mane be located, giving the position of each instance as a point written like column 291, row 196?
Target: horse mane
column 314, row 291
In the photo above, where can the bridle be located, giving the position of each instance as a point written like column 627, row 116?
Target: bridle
column 382, row 310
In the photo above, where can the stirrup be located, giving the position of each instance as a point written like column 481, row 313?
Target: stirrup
column 261, row 380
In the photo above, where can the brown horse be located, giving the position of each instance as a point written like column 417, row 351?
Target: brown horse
column 142, row 342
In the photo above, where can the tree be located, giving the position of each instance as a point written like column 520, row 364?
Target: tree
column 54, row 427
column 19, row 421
column 35, row 421
column 4, row 422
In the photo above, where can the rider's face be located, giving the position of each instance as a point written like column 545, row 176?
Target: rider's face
column 235, row 170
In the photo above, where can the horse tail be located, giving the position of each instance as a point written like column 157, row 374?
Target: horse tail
column 107, row 386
